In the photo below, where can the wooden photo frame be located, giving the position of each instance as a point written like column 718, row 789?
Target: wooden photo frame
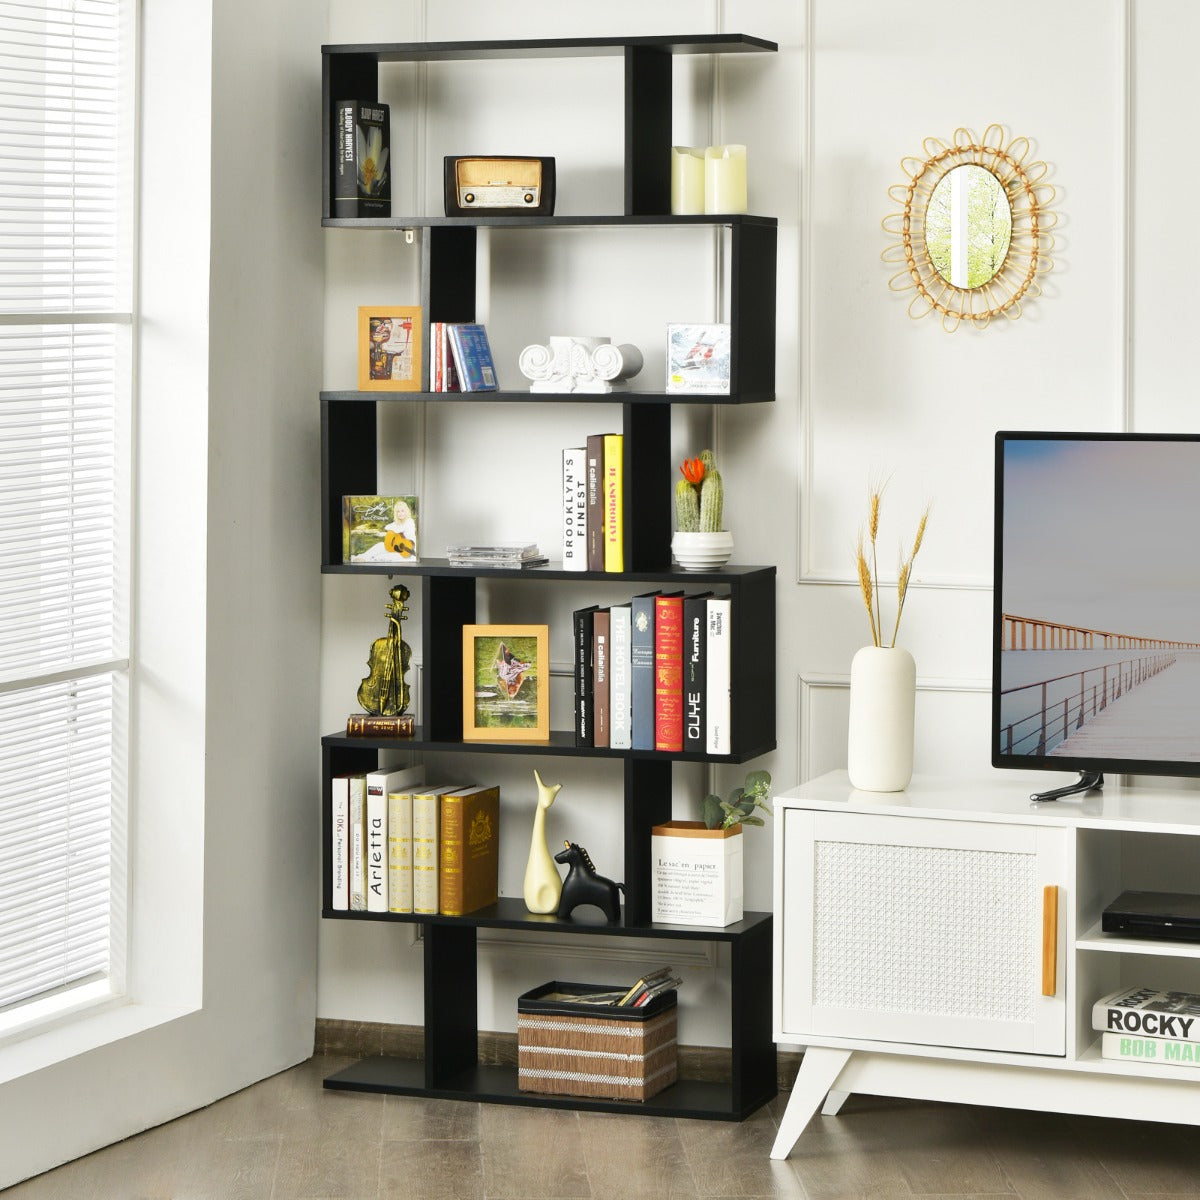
column 389, row 349
column 506, row 683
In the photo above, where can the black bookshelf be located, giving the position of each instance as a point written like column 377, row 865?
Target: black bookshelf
column 448, row 595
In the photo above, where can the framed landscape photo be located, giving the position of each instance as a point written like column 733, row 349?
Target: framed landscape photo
column 506, row 683
column 389, row 349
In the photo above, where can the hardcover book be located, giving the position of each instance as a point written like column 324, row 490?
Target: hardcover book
column 380, row 785
column 358, row 843
column 574, row 475
column 641, row 671
column 620, row 618
column 581, row 624
column 668, row 671
column 717, row 675
column 695, row 659
column 472, row 358
column 339, row 800
column 1149, row 1012
column 379, row 529
column 600, row 681
column 698, row 359
column 362, row 184
column 426, row 831
column 614, row 502
column 595, row 502
column 469, row 870
column 375, row 725
column 1169, row 1051
column 400, row 851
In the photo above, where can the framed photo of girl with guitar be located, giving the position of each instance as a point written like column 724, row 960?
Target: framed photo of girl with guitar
column 379, row 529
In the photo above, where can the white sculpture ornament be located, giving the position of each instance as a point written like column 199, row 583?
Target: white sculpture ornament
column 580, row 364
column 543, row 885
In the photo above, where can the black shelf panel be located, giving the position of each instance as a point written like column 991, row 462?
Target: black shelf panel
column 509, row 396
column 521, row 221
column 509, row 913
column 729, row 574
column 701, row 43
column 560, row 745
column 498, row 1085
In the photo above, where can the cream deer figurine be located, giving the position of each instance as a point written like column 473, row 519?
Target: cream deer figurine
column 542, row 883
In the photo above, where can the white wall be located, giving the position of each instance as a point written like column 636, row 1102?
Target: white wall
column 864, row 392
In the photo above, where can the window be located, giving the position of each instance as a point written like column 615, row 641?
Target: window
column 66, row 238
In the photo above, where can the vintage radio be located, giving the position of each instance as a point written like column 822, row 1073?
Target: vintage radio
column 495, row 184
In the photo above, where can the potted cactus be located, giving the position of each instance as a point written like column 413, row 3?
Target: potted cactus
column 701, row 542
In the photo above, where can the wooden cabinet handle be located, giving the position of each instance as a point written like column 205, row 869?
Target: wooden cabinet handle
column 1049, row 939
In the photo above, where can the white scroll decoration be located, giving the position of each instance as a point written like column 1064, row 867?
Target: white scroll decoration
column 580, row 364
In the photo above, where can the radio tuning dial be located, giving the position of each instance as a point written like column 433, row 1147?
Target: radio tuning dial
column 528, row 197
column 470, row 197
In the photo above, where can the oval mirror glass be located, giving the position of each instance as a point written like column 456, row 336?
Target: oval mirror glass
column 968, row 225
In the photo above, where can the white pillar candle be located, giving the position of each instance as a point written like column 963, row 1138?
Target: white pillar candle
column 687, row 179
column 725, row 179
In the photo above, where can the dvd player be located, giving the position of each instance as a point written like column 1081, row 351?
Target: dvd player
column 1173, row 915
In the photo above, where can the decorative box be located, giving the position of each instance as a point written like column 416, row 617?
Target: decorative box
column 696, row 874
column 569, row 1048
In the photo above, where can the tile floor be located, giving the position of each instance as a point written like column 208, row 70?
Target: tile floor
column 289, row 1139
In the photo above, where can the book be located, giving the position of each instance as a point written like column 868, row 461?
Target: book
column 1149, row 1012
column 620, row 618
column 641, row 671
column 699, row 359
column 358, row 843
column 614, row 502
column 668, row 671
column 375, row 725
column 647, row 981
column 717, row 675
column 426, row 824
column 657, row 989
column 362, row 184
column 339, row 851
column 695, row 658
column 472, row 357
column 1170, row 1052
column 574, row 476
column 379, row 529
column 400, row 851
column 469, row 850
column 595, row 502
column 600, row 682
column 581, row 625
column 380, row 784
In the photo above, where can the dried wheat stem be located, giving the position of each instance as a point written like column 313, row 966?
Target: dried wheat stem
column 864, row 582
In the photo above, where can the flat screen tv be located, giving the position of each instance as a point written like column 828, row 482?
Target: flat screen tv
column 1096, row 627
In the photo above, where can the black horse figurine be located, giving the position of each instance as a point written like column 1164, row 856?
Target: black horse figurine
column 583, row 886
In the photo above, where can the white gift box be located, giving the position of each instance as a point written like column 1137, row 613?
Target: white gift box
column 696, row 874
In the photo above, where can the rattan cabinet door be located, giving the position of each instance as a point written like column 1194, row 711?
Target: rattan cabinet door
column 924, row 931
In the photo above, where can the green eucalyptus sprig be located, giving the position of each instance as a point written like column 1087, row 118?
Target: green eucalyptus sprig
column 739, row 808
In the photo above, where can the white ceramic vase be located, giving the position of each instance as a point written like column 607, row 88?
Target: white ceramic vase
column 702, row 551
column 883, row 690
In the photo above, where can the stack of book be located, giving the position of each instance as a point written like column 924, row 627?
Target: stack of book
column 594, row 504
column 403, row 846
column 654, row 674
column 503, row 556
column 461, row 358
column 1142, row 1024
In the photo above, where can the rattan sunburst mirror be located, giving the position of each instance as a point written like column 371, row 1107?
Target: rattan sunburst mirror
column 973, row 228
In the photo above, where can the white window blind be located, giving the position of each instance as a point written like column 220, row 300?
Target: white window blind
column 65, row 334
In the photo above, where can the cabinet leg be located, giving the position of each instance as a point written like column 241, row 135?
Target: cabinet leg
column 818, row 1073
column 833, row 1103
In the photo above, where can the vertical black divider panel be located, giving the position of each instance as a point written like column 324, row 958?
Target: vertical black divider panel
column 447, row 604
column 447, row 281
column 752, row 309
column 451, row 991
column 648, row 486
column 343, row 77
column 337, row 760
column 647, row 803
column 348, row 463
column 647, row 131
column 752, row 662
column 754, row 1069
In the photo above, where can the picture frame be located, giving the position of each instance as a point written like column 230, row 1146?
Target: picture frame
column 699, row 359
column 506, row 683
column 389, row 349
column 380, row 529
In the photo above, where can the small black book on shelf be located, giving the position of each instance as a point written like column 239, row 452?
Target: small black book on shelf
column 362, row 182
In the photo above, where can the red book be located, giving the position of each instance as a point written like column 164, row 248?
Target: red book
column 668, row 672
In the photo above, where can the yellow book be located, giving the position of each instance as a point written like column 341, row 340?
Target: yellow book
column 426, row 823
column 469, row 866
column 614, row 502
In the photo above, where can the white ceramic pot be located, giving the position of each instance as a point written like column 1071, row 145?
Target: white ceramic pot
column 702, row 551
column 883, row 689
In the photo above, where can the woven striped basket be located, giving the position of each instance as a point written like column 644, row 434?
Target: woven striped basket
column 565, row 1049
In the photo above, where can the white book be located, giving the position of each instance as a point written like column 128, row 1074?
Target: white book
column 1170, row 1052
column 400, row 848
column 620, row 636
column 574, row 477
column 426, row 833
column 339, row 800
column 379, row 785
column 717, row 646
column 358, row 843
column 1150, row 1013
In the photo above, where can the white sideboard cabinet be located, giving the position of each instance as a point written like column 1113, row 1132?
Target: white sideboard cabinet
column 944, row 943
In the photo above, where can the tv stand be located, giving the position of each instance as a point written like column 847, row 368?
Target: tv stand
column 1088, row 781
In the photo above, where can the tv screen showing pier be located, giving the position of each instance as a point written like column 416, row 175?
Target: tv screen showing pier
column 1096, row 639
